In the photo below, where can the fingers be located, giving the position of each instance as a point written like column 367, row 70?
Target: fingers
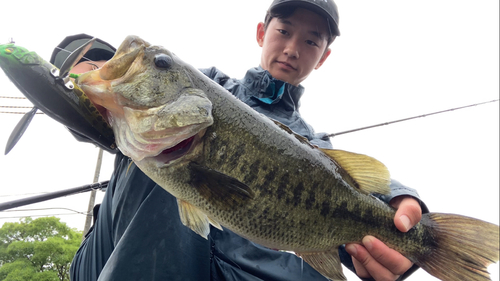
column 373, row 258
column 377, row 260
column 408, row 212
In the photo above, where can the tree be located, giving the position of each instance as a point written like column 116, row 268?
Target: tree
column 40, row 249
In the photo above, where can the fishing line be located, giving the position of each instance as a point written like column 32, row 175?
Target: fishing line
column 73, row 75
column 406, row 119
column 330, row 135
column 71, row 52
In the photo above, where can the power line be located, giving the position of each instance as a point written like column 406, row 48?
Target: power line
column 17, row 112
column 49, row 215
column 42, row 209
column 17, row 98
column 10, row 106
column 15, row 106
column 46, row 215
column 10, row 195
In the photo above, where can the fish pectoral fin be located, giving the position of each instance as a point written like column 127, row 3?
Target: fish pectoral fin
column 369, row 174
column 218, row 187
column 193, row 218
column 327, row 263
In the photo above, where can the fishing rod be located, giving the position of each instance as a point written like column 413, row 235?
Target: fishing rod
column 406, row 119
column 53, row 195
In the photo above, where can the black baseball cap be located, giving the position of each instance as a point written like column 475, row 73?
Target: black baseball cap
column 84, row 131
column 326, row 8
column 100, row 50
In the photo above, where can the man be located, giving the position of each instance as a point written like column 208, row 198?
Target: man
column 138, row 234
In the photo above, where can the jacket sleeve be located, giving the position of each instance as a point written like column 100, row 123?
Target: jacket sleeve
column 216, row 75
column 398, row 189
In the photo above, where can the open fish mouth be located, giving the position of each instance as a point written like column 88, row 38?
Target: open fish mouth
column 170, row 154
column 158, row 146
column 149, row 101
column 163, row 132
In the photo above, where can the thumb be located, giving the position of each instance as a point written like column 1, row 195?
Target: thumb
column 408, row 212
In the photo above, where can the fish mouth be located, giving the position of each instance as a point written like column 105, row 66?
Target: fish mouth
column 159, row 149
column 125, row 58
column 173, row 153
column 184, row 149
column 155, row 113
column 97, row 84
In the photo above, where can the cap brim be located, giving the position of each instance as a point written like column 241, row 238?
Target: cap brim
column 100, row 50
column 332, row 23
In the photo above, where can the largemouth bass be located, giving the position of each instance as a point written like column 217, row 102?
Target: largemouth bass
column 230, row 166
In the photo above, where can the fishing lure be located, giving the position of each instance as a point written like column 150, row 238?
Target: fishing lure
column 57, row 96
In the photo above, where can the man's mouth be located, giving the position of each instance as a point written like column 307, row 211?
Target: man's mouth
column 286, row 65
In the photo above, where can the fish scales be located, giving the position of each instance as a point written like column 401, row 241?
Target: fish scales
column 229, row 165
column 300, row 179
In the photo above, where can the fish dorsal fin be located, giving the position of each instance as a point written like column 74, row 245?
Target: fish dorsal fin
column 369, row 174
column 327, row 263
column 219, row 188
column 193, row 218
column 285, row 128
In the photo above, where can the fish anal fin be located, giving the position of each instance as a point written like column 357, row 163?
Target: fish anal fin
column 369, row 174
column 193, row 218
column 219, row 188
column 327, row 263
column 214, row 223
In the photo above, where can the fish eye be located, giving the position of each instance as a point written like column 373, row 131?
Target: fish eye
column 163, row 61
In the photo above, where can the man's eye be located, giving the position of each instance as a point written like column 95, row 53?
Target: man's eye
column 312, row 43
column 282, row 31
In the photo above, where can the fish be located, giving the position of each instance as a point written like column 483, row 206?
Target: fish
column 230, row 166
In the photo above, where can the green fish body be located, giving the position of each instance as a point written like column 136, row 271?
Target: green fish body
column 229, row 165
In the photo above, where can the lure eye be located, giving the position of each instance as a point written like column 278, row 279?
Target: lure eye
column 163, row 61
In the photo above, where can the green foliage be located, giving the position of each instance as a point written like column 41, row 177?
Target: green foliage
column 40, row 249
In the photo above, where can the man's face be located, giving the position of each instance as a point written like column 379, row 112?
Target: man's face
column 86, row 66
column 293, row 47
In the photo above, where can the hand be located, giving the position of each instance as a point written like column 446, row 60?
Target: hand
column 373, row 258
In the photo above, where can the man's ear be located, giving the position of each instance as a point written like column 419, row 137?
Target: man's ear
column 261, row 31
column 328, row 51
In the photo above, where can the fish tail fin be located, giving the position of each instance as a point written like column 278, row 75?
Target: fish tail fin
column 462, row 247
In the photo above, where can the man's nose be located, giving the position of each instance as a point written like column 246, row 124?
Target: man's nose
column 292, row 49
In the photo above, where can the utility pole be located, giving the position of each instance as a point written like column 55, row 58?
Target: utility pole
column 88, row 220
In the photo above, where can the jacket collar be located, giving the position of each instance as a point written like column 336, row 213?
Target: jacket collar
column 269, row 90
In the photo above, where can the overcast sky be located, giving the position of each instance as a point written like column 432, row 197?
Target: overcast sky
column 394, row 59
